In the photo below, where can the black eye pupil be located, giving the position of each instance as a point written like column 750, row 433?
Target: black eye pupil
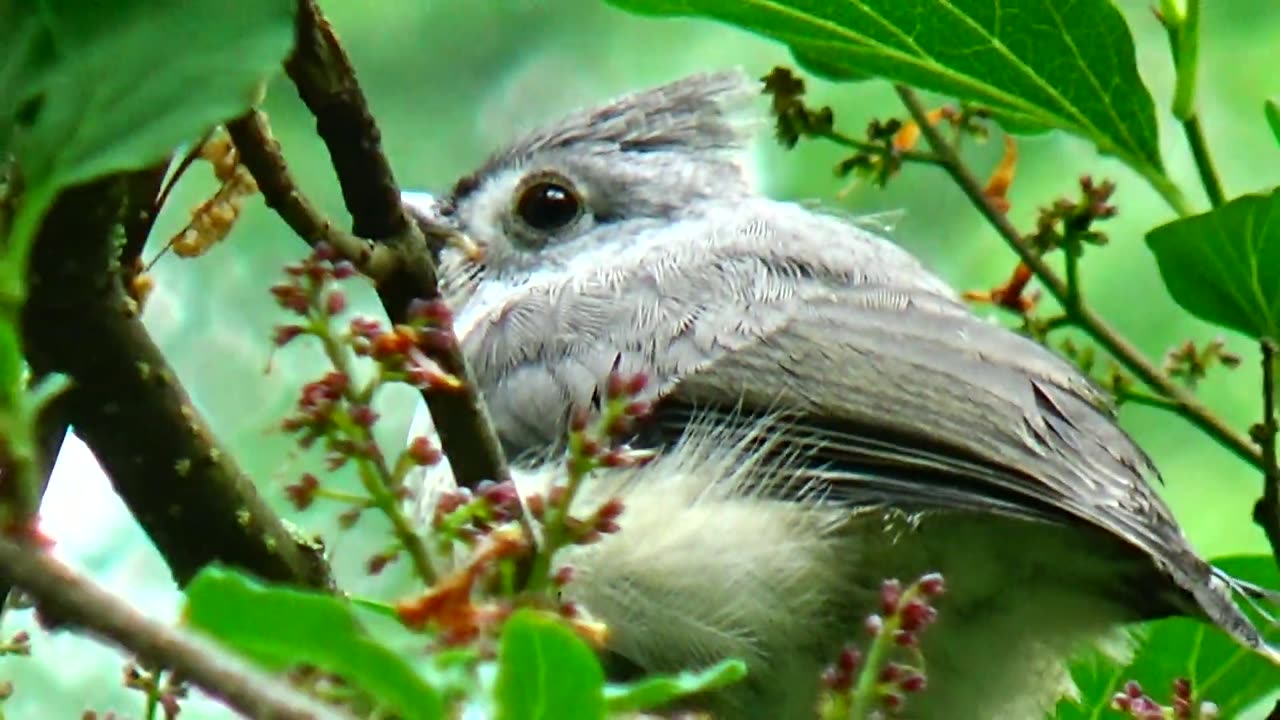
column 548, row 206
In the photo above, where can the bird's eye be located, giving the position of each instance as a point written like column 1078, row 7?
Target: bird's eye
column 547, row 204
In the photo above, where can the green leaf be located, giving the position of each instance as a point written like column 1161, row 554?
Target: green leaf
column 90, row 88
column 654, row 692
column 1224, row 266
column 547, row 672
column 1272, row 110
column 282, row 627
column 1037, row 64
column 1219, row 669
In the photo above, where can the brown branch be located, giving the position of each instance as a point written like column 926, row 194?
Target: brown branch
column 1266, row 512
column 327, row 84
column 129, row 407
column 145, row 187
column 1081, row 314
column 260, row 153
column 73, row 600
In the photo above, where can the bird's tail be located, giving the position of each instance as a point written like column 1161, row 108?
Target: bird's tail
column 1217, row 602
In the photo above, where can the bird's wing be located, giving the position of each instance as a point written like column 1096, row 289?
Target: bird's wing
column 917, row 404
column 895, row 392
column 894, row 403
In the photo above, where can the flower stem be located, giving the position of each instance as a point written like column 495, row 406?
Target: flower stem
column 1182, row 25
column 375, row 475
column 1082, row 315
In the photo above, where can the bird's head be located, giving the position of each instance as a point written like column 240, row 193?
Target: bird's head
column 595, row 179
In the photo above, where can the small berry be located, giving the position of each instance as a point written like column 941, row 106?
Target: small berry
column 365, row 327
column 916, row 614
column 348, row 518
column 284, row 334
column 636, row 384
column 363, row 415
column 873, row 625
column 557, row 496
column 379, row 562
column 503, row 496
column 430, row 312
column 422, row 452
column 890, row 594
column 610, row 510
column 323, row 251
column 932, row 584
column 303, row 493
column 343, row 269
column 914, row 682
column 849, row 660
column 638, row 408
column 536, row 505
column 615, row 386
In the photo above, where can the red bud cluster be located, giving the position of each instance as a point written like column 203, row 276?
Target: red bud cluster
column 338, row 412
column 1138, row 705
column 873, row 678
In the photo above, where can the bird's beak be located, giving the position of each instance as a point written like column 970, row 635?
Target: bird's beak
column 424, row 208
column 463, row 243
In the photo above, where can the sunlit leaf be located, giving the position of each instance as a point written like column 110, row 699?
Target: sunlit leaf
column 654, row 692
column 282, row 628
column 1220, row 670
column 1036, row 64
column 1224, row 266
column 547, row 672
column 89, row 88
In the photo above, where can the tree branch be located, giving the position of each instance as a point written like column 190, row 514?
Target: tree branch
column 1266, row 512
column 327, row 84
column 1081, row 314
column 260, row 153
column 127, row 404
column 74, row 600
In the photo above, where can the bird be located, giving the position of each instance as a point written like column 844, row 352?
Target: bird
column 826, row 413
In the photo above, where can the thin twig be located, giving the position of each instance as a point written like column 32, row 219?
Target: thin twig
column 1082, row 315
column 1266, row 512
column 1141, row 397
column 1204, row 161
column 839, row 138
column 260, row 153
column 74, row 600
column 327, row 84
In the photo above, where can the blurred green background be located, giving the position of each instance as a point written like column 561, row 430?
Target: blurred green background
column 449, row 81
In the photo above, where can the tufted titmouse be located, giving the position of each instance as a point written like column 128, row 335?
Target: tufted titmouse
column 829, row 416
